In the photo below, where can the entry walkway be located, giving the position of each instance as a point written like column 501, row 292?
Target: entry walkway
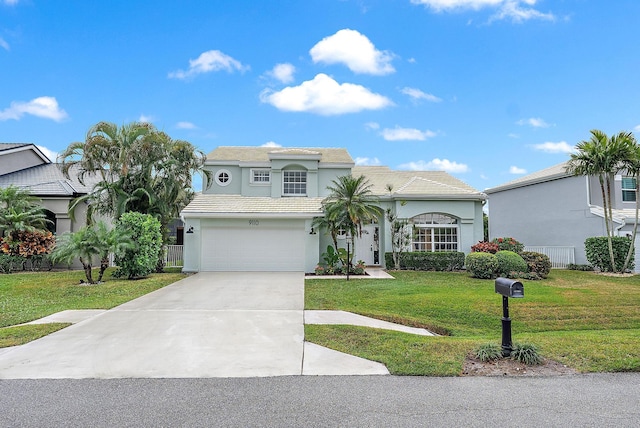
column 207, row 325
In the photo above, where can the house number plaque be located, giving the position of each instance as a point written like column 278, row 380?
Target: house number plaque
column 254, row 222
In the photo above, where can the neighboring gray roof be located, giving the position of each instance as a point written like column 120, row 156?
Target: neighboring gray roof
column 47, row 180
column 548, row 174
column 261, row 154
column 416, row 184
column 208, row 205
column 7, row 146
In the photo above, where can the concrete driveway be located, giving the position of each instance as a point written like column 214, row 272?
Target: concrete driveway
column 216, row 324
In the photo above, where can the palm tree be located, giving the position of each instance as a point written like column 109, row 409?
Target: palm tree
column 20, row 211
column 632, row 166
column 602, row 157
column 350, row 205
column 89, row 243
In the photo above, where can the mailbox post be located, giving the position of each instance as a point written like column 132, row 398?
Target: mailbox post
column 508, row 288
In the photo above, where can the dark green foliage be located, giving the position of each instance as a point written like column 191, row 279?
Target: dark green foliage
column 597, row 250
column 142, row 260
column 482, row 265
column 584, row 268
column 526, row 353
column 509, row 262
column 9, row 263
column 488, row 352
column 538, row 263
column 509, row 244
column 420, row 260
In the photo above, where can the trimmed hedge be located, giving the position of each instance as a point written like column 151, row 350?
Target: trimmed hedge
column 538, row 263
column 439, row 261
column 597, row 249
column 509, row 262
column 482, row 265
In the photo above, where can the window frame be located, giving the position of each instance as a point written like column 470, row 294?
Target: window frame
column 252, row 176
column 228, row 180
column 435, row 237
column 286, row 182
column 628, row 192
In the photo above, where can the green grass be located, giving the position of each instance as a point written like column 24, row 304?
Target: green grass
column 25, row 297
column 590, row 322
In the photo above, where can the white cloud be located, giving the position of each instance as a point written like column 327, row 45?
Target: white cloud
column 282, row 72
column 4, row 44
column 372, row 126
column 364, row 161
column 325, row 96
column 44, row 107
column 10, row 2
column 516, row 10
column 186, row 125
column 146, row 118
column 637, row 128
column 513, row 135
column 516, row 170
column 535, row 122
column 207, row 62
column 398, row 134
column 48, row 153
column 435, row 164
column 355, row 50
column 271, row 144
column 417, row 94
column 550, row 147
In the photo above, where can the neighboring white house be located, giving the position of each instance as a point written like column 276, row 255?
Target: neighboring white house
column 551, row 208
column 257, row 214
column 24, row 165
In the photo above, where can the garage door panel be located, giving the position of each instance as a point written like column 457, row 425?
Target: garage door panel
column 264, row 248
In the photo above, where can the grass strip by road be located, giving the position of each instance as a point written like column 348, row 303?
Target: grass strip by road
column 587, row 321
column 29, row 296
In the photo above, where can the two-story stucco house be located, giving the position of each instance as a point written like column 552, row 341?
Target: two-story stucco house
column 551, row 208
column 257, row 213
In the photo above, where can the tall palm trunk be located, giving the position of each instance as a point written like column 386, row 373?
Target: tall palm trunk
column 606, row 208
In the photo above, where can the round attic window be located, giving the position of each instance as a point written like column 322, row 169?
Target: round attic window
column 223, row 177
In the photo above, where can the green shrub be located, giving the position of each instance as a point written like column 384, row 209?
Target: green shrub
column 526, row 353
column 9, row 263
column 421, row 260
column 509, row 263
column 141, row 260
column 538, row 263
column 488, row 352
column 508, row 244
column 482, row 265
column 597, row 249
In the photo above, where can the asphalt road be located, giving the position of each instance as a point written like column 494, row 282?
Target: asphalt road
column 599, row 400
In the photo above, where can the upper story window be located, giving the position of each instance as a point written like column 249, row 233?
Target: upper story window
column 260, row 176
column 628, row 189
column 294, row 183
column 223, row 177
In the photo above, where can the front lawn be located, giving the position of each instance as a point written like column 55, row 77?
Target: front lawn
column 587, row 321
column 25, row 297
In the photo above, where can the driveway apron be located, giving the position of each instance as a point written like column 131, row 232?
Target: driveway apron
column 212, row 324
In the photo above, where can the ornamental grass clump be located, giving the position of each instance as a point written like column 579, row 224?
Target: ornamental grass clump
column 526, row 353
column 488, row 352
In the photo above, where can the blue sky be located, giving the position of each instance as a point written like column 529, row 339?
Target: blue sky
column 487, row 90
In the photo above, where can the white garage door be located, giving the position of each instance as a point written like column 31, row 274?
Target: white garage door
column 265, row 246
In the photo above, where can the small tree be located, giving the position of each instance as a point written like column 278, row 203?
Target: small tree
column 400, row 236
column 141, row 260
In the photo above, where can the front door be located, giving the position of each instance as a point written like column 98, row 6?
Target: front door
column 368, row 245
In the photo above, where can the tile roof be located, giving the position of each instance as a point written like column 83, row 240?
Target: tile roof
column 47, row 180
column 261, row 154
column 204, row 205
column 416, row 184
column 548, row 174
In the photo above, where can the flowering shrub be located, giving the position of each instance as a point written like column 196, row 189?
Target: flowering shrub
column 508, row 244
column 485, row 247
column 320, row 270
column 27, row 244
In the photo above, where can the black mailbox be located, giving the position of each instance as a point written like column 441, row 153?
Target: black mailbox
column 509, row 287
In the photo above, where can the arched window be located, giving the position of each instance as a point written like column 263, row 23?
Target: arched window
column 434, row 232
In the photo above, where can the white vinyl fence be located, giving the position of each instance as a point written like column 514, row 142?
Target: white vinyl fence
column 560, row 256
column 173, row 255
